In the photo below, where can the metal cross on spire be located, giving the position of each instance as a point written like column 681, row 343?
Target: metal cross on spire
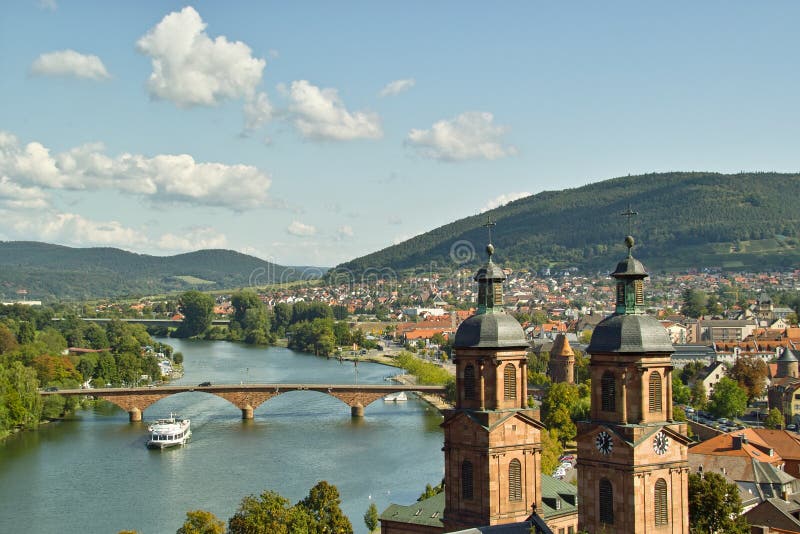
column 629, row 214
column 490, row 224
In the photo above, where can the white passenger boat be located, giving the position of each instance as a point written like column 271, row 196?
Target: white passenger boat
column 396, row 397
column 169, row 432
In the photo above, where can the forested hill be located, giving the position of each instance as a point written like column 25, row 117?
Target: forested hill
column 685, row 220
column 50, row 272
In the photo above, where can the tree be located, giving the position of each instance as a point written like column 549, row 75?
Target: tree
column 198, row 312
column 681, row 394
column 371, row 517
column 715, row 505
column 201, row 522
column 323, row 504
column 751, row 374
column 694, row 303
column 551, row 451
column 699, row 397
column 774, row 419
column 8, row 341
column 267, row 513
column 561, row 406
column 728, row 399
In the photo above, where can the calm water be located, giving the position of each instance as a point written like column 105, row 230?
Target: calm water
column 93, row 473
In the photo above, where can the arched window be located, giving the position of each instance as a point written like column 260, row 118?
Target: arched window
column 514, row 480
column 466, row 479
column 609, row 392
column 510, row 381
column 660, row 502
column 606, row 502
column 469, row 382
column 655, row 391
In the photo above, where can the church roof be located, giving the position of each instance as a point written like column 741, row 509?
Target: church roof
column 427, row 512
column 558, row 497
column 629, row 266
column 630, row 334
column 490, row 330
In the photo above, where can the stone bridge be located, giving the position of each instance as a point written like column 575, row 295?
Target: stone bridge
column 246, row 397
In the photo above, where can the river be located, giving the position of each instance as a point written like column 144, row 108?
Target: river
column 93, row 474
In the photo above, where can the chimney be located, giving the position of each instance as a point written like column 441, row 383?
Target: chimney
column 738, row 441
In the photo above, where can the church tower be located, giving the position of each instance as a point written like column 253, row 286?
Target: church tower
column 562, row 361
column 633, row 468
column 492, row 441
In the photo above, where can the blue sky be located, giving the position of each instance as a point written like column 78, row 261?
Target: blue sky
column 309, row 133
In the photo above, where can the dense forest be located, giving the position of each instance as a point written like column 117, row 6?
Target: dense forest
column 54, row 272
column 33, row 356
column 685, row 220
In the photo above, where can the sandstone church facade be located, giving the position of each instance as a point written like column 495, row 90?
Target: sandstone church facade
column 628, row 451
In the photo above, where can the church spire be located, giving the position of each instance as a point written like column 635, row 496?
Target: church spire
column 630, row 275
column 490, row 280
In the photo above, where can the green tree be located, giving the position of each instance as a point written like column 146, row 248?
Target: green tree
column 178, row 357
column 728, row 399
column 699, row 397
column 551, row 451
column 198, row 312
column 774, row 419
column 681, row 394
column 715, row 505
column 267, row 513
column 201, row 522
column 751, row 374
column 371, row 517
column 694, row 303
column 562, row 405
column 323, row 504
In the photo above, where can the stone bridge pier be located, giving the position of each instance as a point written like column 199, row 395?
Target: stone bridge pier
column 246, row 401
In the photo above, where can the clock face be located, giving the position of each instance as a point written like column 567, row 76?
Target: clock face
column 660, row 443
column 603, row 442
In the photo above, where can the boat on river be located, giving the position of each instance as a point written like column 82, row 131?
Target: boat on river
column 396, row 397
column 169, row 432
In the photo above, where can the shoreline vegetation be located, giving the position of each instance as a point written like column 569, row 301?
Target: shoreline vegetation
column 39, row 353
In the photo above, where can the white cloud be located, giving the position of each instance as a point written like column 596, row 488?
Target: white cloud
column 196, row 238
column 257, row 112
column 48, row 4
column 320, row 114
column 502, row 200
column 345, row 231
column 70, row 63
column 162, row 178
column 190, row 68
column 471, row 135
column 75, row 229
column 396, row 87
column 300, row 229
column 15, row 196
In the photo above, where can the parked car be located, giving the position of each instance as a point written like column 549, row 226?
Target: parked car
column 792, row 427
column 204, row 384
column 567, row 458
column 52, row 388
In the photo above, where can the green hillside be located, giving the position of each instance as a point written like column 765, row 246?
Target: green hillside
column 685, row 220
column 56, row 272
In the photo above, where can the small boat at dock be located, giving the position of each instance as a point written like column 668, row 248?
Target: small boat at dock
column 396, row 397
column 169, row 432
